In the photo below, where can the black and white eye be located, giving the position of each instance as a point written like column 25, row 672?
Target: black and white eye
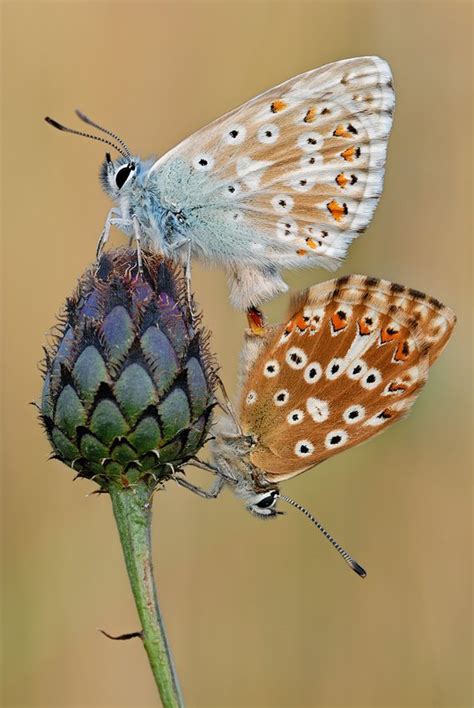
column 123, row 174
column 268, row 501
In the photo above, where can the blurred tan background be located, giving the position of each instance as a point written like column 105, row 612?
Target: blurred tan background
column 260, row 615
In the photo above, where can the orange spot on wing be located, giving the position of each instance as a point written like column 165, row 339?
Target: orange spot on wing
column 278, row 106
column 342, row 180
column 341, row 132
column 337, row 211
column 310, row 115
column 403, row 351
column 290, row 326
column 301, row 251
column 350, row 153
column 338, row 322
column 397, row 387
column 301, row 322
column 311, row 243
column 389, row 335
column 364, row 327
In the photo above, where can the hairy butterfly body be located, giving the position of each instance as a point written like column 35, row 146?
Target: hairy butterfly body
column 285, row 181
column 349, row 362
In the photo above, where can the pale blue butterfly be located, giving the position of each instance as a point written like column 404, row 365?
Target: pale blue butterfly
column 285, row 181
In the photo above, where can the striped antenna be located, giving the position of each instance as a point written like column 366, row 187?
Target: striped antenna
column 349, row 560
column 88, row 120
column 60, row 126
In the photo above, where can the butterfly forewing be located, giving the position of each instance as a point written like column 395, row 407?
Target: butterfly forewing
column 348, row 363
column 300, row 166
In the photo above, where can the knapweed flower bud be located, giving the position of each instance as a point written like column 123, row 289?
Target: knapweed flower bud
column 129, row 382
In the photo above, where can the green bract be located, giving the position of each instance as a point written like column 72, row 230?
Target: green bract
column 129, row 382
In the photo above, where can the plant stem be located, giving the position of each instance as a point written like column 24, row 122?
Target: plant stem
column 132, row 511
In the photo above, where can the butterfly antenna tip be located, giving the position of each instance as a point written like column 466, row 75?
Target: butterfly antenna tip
column 344, row 554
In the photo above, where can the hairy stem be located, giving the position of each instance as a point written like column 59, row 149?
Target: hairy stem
column 132, row 510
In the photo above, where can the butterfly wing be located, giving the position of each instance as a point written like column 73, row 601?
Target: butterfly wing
column 349, row 362
column 291, row 177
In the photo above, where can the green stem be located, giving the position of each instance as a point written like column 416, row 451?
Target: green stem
column 132, row 510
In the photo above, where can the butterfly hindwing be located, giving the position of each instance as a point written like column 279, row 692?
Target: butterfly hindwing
column 349, row 362
column 291, row 177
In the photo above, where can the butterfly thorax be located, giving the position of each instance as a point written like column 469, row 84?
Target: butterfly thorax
column 231, row 452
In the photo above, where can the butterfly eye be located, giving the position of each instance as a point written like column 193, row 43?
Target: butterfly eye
column 123, row 174
column 268, row 501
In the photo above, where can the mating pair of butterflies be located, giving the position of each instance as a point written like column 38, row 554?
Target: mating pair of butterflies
column 285, row 181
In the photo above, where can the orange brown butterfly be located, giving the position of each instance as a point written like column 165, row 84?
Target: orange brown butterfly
column 349, row 362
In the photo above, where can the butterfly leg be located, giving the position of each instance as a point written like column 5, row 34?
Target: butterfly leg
column 136, row 231
column 227, row 406
column 104, row 236
column 126, row 225
column 196, row 462
column 186, row 243
column 187, row 275
column 211, row 493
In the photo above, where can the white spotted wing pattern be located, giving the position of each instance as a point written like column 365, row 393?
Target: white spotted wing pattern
column 288, row 179
column 348, row 363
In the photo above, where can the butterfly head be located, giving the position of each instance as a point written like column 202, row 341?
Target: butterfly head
column 118, row 176
column 231, row 452
column 261, row 503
